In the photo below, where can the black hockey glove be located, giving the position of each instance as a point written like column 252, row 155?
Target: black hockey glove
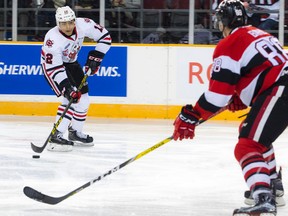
column 94, row 60
column 68, row 91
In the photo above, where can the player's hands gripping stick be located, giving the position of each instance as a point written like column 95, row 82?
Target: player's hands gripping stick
column 70, row 93
column 236, row 104
column 185, row 123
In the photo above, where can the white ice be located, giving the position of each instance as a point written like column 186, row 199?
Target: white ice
column 189, row 178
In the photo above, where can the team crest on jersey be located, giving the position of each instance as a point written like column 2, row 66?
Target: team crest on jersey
column 49, row 43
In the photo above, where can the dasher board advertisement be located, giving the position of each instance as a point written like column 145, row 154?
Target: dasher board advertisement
column 21, row 73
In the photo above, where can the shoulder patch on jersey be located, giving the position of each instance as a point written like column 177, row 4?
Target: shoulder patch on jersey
column 87, row 20
column 49, row 43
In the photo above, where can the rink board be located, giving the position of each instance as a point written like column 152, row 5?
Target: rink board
column 108, row 110
column 135, row 80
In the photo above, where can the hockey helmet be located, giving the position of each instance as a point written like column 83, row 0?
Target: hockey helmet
column 231, row 13
column 64, row 14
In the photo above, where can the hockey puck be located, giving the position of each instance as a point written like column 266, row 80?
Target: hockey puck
column 36, row 156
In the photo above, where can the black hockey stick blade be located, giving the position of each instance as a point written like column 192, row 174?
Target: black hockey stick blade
column 36, row 195
column 37, row 149
column 40, row 197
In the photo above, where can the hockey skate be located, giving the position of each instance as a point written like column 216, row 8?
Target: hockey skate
column 278, row 190
column 80, row 138
column 58, row 144
column 265, row 206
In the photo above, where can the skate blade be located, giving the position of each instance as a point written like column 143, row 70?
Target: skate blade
column 59, row 148
column 279, row 201
column 80, row 144
column 254, row 214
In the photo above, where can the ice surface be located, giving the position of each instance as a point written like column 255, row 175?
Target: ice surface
column 189, row 178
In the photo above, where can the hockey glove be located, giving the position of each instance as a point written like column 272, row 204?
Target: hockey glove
column 68, row 91
column 93, row 62
column 236, row 104
column 184, row 125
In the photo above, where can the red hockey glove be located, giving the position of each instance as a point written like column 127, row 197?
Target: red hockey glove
column 236, row 104
column 68, row 91
column 185, row 123
column 93, row 62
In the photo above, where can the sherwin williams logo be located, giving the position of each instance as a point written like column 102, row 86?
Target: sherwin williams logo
column 20, row 69
column 111, row 79
column 108, row 72
column 36, row 70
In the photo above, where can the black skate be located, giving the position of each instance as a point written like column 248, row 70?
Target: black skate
column 277, row 185
column 278, row 191
column 265, row 206
column 59, row 144
column 80, row 138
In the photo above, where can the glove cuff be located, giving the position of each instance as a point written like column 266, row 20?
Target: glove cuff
column 189, row 115
column 64, row 84
column 96, row 54
column 189, row 111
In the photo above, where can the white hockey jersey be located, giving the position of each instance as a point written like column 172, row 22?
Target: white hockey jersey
column 59, row 48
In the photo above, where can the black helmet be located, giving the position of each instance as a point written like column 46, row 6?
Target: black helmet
column 231, row 13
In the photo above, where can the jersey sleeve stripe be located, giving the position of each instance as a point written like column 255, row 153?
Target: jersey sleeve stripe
column 106, row 39
column 218, row 100
column 105, row 43
column 204, row 108
column 221, row 87
column 51, row 82
column 226, row 76
column 225, row 62
column 55, row 68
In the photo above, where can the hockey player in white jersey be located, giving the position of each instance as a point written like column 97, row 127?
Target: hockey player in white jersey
column 64, row 74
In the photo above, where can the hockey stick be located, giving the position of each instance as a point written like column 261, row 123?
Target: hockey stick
column 40, row 197
column 36, row 195
column 39, row 149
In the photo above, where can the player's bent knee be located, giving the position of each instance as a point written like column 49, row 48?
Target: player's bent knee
column 247, row 146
